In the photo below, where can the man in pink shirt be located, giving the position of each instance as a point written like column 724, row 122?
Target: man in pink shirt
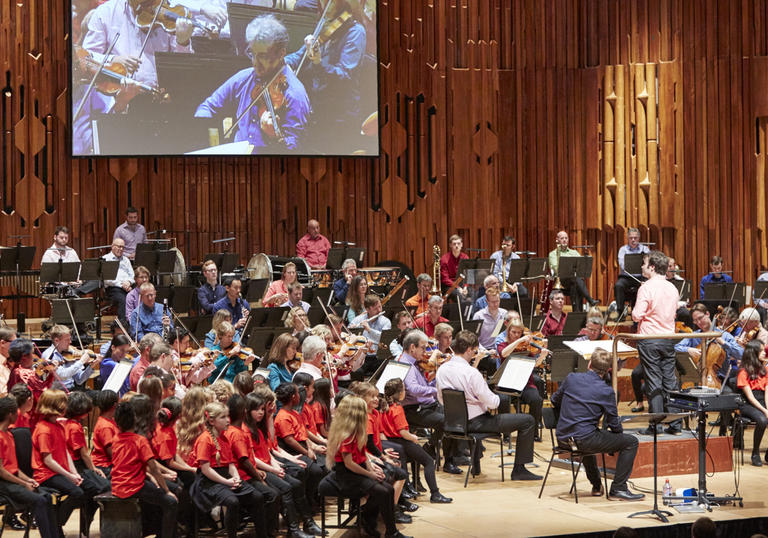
column 654, row 313
column 313, row 246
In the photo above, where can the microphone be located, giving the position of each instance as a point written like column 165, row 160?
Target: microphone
column 525, row 252
column 647, row 244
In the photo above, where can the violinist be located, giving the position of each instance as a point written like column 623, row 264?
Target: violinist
column 715, row 275
column 729, row 319
column 295, row 293
column 491, row 317
column 118, row 350
column 281, row 354
column 331, row 73
column 554, row 322
column 528, row 345
column 403, row 322
column 218, row 317
column 444, row 337
column 72, row 368
column 21, row 353
column 420, row 300
column 313, row 352
column 432, row 316
column 229, row 354
column 211, row 291
column 145, row 345
column 373, row 321
column 7, row 336
column 593, row 330
column 751, row 328
column 267, row 41
column 200, row 361
column 237, row 306
column 297, row 320
column 340, row 287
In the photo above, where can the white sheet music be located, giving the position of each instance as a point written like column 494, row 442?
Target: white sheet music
column 393, row 370
column 516, row 373
column 118, row 375
column 587, row 347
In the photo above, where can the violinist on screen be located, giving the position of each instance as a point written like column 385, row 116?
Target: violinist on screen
column 267, row 40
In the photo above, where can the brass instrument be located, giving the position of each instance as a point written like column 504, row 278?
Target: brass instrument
column 504, row 284
column 435, row 271
column 558, row 285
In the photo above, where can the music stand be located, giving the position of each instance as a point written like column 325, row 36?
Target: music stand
column 255, row 288
column 517, row 270
column 575, row 267
column 653, row 420
column 99, row 269
column 537, row 268
column 16, row 259
column 683, row 288
column 574, row 322
column 179, row 297
column 226, row 262
column 82, row 310
column 686, row 369
column 156, row 261
column 733, row 292
column 760, row 290
column 59, row 271
column 633, row 264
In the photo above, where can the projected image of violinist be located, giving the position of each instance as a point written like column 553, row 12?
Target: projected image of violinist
column 271, row 104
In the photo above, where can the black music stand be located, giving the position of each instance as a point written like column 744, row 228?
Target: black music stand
column 99, row 269
column 179, row 297
column 574, row 322
column 733, row 292
column 15, row 260
column 226, row 262
column 157, row 262
column 633, row 264
column 337, row 255
column 684, row 288
column 575, row 267
column 59, row 272
column 255, row 289
column 517, row 270
column 760, row 290
column 511, row 304
column 653, row 420
column 82, row 310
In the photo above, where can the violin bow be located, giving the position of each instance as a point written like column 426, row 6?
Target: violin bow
column 128, row 334
column 228, row 133
column 151, row 26
column 316, row 33
column 74, row 325
column 176, row 317
column 93, row 79
column 328, row 319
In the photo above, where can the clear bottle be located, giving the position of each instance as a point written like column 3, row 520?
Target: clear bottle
column 667, row 490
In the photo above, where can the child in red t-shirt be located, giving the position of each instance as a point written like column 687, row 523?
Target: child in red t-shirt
column 23, row 396
column 132, row 459
column 355, row 474
column 165, row 442
column 218, row 483
column 395, row 428
column 14, row 484
column 321, row 406
column 52, row 465
column 303, row 379
column 105, row 431
column 752, row 380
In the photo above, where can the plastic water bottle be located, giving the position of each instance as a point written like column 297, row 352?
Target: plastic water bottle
column 667, row 490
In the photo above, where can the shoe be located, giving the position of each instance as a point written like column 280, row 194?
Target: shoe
column 756, row 461
column 612, row 307
column 370, row 528
column 295, row 532
column 638, row 409
column 626, row 495
column 310, row 527
column 420, row 487
column 407, row 505
column 593, row 302
column 439, row 498
column 766, row 456
column 597, row 491
column 461, row 460
column 523, row 474
column 451, row 468
column 537, row 438
column 648, row 431
column 670, row 430
column 398, row 534
column 411, row 490
column 402, row 517
column 407, row 494
column 14, row 523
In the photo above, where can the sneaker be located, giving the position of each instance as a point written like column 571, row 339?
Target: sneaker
column 612, row 307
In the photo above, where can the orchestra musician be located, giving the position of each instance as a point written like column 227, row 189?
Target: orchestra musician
column 21, row 353
column 358, row 289
column 502, row 263
column 449, row 266
column 421, row 298
column 429, row 320
column 70, row 370
column 277, row 293
column 145, row 345
column 761, row 301
column 331, row 74
column 149, row 316
column 654, row 312
column 237, row 306
column 491, row 281
column 210, row 292
column 593, row 330
column 373, row 329
column 282, row 352
column 267, row 40
column 490, row 316
column 582, row 400
column 7, row 336
column 403, row 323
column 575, row 286
column 131, row 232
column 458, row 374
column 117, row 290
column 61, row 252
column 751, row 328
column 132, row 300
column 554, row 321
column 626, row 283
column 313, row 246
column 295, row 293
column 444, row 337
column 313, row 351
column 715, row 275
column 340, row 287
column 682, row 314
column 297, row 320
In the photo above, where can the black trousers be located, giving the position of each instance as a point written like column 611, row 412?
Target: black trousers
column 75, row 496
column 271, row 499
column 414, row 452
column 657, row 357
column 151, row 495
column 532, row 397
column 117, row 297
column 624, row 287
column 761, row 421
column 431, row 416
column 577, row 291
column 609, row 442
column 524, row 425
column 637, row 383
column 291, row 492
column 38, row 503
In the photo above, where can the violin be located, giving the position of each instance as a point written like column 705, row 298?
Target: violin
column 72, row 354
column 245, row 354
column 112, row 77
column 167, row 17
column 208, row 354
column 43, row 366
column 295, row 363
column 272, row 101
column 681, row 327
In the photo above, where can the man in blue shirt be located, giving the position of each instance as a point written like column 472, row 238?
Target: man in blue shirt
column 236, row 305
column 341, row 286
column 211, row 291
column 627, row 283
column 582, row 399
column 715, row 275
column 502, row 263
column 148, row 316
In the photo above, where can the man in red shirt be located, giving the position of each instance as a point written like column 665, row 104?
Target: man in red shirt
column 431, row 317
column 313, row 246
column 449, row 263
column 554, row 322
column 146, row 344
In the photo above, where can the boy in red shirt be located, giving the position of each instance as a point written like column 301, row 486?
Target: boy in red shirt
column 105, row 431
column 132, row 459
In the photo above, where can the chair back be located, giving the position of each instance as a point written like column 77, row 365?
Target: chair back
column 549, row 418
column 455, row 409
column 22, row 438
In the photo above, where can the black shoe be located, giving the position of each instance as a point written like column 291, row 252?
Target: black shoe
column 420, row 487
column 370, row 528
column 407, row 494
column 451, row 468
column 439, row 498
column 310, row 527
column 408, row 488
column 402, row 517
column 407, row 505
column 14, row 523
column 597, row 491
column 638, row 409
column 295, row 532
column 523, row 474
column 648, row 431
column 461, row 460
column 756, row 461
column 670, row 430
column 398, row 534
column 626, row 495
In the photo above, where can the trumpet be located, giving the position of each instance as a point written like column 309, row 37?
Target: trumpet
column 435, row 271
column 504, row 284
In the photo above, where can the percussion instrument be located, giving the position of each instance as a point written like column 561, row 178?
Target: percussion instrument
column 380, row 276
column 271, row 267
column 179, row 275
column 324, row 278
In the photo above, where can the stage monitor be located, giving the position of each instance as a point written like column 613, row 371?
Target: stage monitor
column 224, row 79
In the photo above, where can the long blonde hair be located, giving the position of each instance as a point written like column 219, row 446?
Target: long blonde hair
column 192, row 418
column 349, row 420
column 211, row 412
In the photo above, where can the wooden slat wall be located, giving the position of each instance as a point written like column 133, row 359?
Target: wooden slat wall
column 501, row 116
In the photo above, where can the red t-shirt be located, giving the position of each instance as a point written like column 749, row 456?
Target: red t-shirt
column 73, row 429
column 308, row 414
column 393, row 421
column 742, row 380
column 130, row 454
column 290, row 423
column 48, row 438
column 374, row 427
column 8, row 452
column 205, row 450
column 103, row 434
column 261, row 446
column 317, row 409
column 23, row 421
column 349, row 446
column 164, row 442
column 241, row 448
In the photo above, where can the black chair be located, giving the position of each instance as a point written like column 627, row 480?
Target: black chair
column 550, row 422
column 329, row 488
column 457, row 427
column 119, row 517
column 8, row 510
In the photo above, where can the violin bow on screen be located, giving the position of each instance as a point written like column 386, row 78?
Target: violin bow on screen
column 316, row 33
column 264, row 91
column 151, row 25
column 93, row 80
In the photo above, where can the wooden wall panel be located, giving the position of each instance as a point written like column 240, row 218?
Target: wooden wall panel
column 502, row 116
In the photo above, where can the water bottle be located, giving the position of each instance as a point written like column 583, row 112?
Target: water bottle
column 667, row 490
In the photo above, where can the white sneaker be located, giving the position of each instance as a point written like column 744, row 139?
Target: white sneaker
column 612, row 307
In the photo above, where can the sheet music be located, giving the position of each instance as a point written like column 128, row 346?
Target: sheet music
column 393, row 370
column 587, row 347
column 516, row 373
column 232, row 148
column 118, row 375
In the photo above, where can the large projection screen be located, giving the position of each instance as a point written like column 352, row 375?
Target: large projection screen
column 197, row 77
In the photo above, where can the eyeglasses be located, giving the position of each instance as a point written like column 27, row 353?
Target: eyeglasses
column 118, row 246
